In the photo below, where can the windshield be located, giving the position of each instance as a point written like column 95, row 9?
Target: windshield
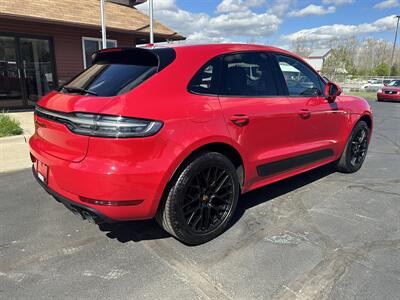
column 109, row 79
column 394, row 83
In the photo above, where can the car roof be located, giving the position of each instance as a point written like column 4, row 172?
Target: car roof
column 222, row 48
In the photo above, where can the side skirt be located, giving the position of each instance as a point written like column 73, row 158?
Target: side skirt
column 287, row 164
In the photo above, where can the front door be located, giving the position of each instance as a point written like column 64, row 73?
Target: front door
column 319, row 122
column 258, row 119
column 26, row 71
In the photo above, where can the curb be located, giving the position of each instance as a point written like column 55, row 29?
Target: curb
column 10, row 139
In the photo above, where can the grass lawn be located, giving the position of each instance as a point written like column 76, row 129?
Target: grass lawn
column 371, row 96
column 9, row 126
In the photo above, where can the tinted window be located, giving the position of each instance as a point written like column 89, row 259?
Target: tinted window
column 206, row 79
column 394, row 83
column 118, row 70
column 111, row 79
column 300, row 79
column 247, row 74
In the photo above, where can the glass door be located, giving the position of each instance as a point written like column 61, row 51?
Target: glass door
column 37, row 68
column 11, row 95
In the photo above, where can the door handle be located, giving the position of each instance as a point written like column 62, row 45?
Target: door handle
column 305, row 114
column 240, row 120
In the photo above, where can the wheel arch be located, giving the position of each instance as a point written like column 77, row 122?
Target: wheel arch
column 220, row 147
column 367, row 119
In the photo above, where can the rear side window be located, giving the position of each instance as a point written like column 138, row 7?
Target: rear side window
column 247, row 74
column 206, row 80
column 299, row 78
column 117, row 71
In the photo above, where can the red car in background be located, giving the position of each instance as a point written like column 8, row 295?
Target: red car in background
column 178, row 133
column 391, row 92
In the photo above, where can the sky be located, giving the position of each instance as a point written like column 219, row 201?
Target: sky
column 277, row 22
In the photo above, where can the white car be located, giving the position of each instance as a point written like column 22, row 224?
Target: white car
column 372, row 85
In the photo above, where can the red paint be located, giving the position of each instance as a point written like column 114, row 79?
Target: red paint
column 382, row 94
column 260, row 129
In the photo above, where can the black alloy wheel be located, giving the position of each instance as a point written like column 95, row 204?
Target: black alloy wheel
column 208, row 199
column 201, row 200
column 356, row 149
column 359, row 146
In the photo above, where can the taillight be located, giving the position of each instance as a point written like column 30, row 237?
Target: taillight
column 102, row 125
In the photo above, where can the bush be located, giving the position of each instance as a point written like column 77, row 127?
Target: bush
column 382, row 70
column 9, row 126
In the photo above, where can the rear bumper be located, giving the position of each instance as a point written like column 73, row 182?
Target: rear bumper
column 86, row 212
column 126, row 176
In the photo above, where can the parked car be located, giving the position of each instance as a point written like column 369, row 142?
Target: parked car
column 179, row 132
column 372, row 85
column 391, row 92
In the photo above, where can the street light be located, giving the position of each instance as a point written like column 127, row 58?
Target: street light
column 394, row 45
column 103, row 26
column 151, row 22
column 130, row 3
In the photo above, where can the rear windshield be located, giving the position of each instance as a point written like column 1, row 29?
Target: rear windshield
column 109, row 79
column 115, row 73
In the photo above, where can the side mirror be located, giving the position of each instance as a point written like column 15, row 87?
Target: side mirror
column 332, row 90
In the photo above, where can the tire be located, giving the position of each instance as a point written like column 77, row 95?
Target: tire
column 202, row 199
column 356, row 149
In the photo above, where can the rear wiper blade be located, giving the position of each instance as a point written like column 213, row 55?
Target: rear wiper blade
column 78, row 89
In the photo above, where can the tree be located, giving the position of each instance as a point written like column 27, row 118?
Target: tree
column 395, row 70
column 339, row 60
column 382, row 70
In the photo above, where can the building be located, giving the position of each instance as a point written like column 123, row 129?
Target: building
column 43, row 43
column 317, row 58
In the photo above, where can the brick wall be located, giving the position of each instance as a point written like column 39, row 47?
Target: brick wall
column 67, row 42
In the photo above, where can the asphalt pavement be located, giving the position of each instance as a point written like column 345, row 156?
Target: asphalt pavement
column 319, row 235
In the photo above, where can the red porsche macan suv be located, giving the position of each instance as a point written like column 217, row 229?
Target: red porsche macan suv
column 179, row 132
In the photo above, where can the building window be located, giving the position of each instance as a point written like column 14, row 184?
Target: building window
column 91, row 45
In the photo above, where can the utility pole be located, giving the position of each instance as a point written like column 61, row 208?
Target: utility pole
column 394, row 45
column 103, row 26
column 151, row 22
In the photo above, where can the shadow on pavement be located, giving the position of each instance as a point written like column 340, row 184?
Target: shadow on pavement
column 149, row 230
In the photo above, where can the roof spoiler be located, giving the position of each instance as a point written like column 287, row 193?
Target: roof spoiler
column 159, row 58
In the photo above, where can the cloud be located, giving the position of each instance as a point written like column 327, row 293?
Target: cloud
column 237, row 5
column 312, row 10
column 330, row 32
column 279, row 7
column 230, row 25
column 387, row 4
column 337, row 2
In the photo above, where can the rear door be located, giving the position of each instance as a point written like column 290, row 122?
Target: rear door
column 319, row 122
column 258, row 117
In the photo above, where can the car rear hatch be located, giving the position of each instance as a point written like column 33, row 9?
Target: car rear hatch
column 114, row 72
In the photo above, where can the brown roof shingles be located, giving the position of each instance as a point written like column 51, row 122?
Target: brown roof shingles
column 84, row 13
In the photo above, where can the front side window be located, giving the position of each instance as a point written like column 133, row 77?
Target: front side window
column 247, row 74
column 90, row 46
column 299, row 78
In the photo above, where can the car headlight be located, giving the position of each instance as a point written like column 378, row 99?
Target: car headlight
column 380, row 91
